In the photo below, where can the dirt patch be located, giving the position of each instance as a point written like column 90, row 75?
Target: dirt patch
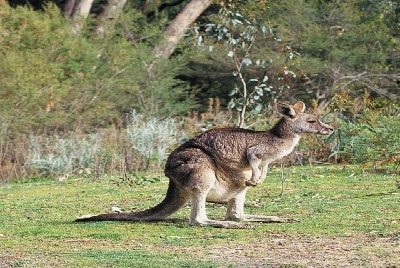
column 8, row 262
column 306, row 251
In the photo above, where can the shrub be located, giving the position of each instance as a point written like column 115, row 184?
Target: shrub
column 144, row 145
column 53, row 156
column 152, row 138
column 55, row 80
column 367, row 132
column 377, row 137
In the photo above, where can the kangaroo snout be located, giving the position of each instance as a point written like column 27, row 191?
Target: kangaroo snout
column 327, row 130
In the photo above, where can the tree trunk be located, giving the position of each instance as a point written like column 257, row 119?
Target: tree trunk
column 177, row 28
column 83, row 8
column 69, row 8
column 113, row 9
column 110, row 12
column 78, row 10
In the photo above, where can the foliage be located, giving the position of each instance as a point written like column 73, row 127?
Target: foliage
column 145, row 145
column 56, row 80
column 382, row 143
column 58, row 85
column 153, row 138
column 238, row 31
column 367, row 133
column 344, row 48
column 55, row 83
column 56, row 155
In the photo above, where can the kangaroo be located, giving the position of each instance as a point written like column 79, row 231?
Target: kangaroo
column 220, row 165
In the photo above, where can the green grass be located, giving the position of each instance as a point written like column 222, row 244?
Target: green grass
column 37, row 228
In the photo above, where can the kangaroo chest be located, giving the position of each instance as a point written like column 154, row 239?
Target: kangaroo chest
column 288, row 148
column 273, row 150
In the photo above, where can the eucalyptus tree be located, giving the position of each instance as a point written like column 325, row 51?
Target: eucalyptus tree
column 346, row 46
column 79, row 10
column 239, row 28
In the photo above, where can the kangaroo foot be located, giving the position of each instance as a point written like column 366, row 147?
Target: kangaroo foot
column 224, row 224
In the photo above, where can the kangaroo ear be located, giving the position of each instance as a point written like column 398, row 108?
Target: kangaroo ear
column 285, row 109
column 299, row 107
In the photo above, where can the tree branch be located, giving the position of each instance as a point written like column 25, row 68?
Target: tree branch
column 177, row 28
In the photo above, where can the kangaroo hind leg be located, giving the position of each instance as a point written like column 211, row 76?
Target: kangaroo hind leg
column 235, row 211
column 198, row 214
column 194, row 171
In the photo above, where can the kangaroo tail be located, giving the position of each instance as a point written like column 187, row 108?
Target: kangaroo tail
column 174, row 200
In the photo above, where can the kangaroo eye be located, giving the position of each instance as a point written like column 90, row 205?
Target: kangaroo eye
column 312, row 121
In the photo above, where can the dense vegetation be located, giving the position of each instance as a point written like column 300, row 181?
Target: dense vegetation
column 90, row 102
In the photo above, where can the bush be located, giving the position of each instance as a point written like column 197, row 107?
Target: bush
column 152, row 138
column 376, row 137
column 55, row 80
column 54, row 156
column 367, row 132
column 144, row 145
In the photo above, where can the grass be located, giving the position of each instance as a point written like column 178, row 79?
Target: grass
column 37, row 228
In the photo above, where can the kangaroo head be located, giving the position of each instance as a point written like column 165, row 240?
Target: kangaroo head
column 301, row 122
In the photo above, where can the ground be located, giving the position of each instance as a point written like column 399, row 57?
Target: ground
column 306, row 251
column 278, row 251
column 344, row 218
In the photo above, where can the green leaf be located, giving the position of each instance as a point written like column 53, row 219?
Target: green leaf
column 247, row 61
column 241, row 101
column 258, row 108
column 199, row 40
column 330, row 138
column 236, row 21
column 264, row 30
column 232, row 92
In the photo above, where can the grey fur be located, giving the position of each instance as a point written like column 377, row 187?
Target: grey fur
column 220, row 165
